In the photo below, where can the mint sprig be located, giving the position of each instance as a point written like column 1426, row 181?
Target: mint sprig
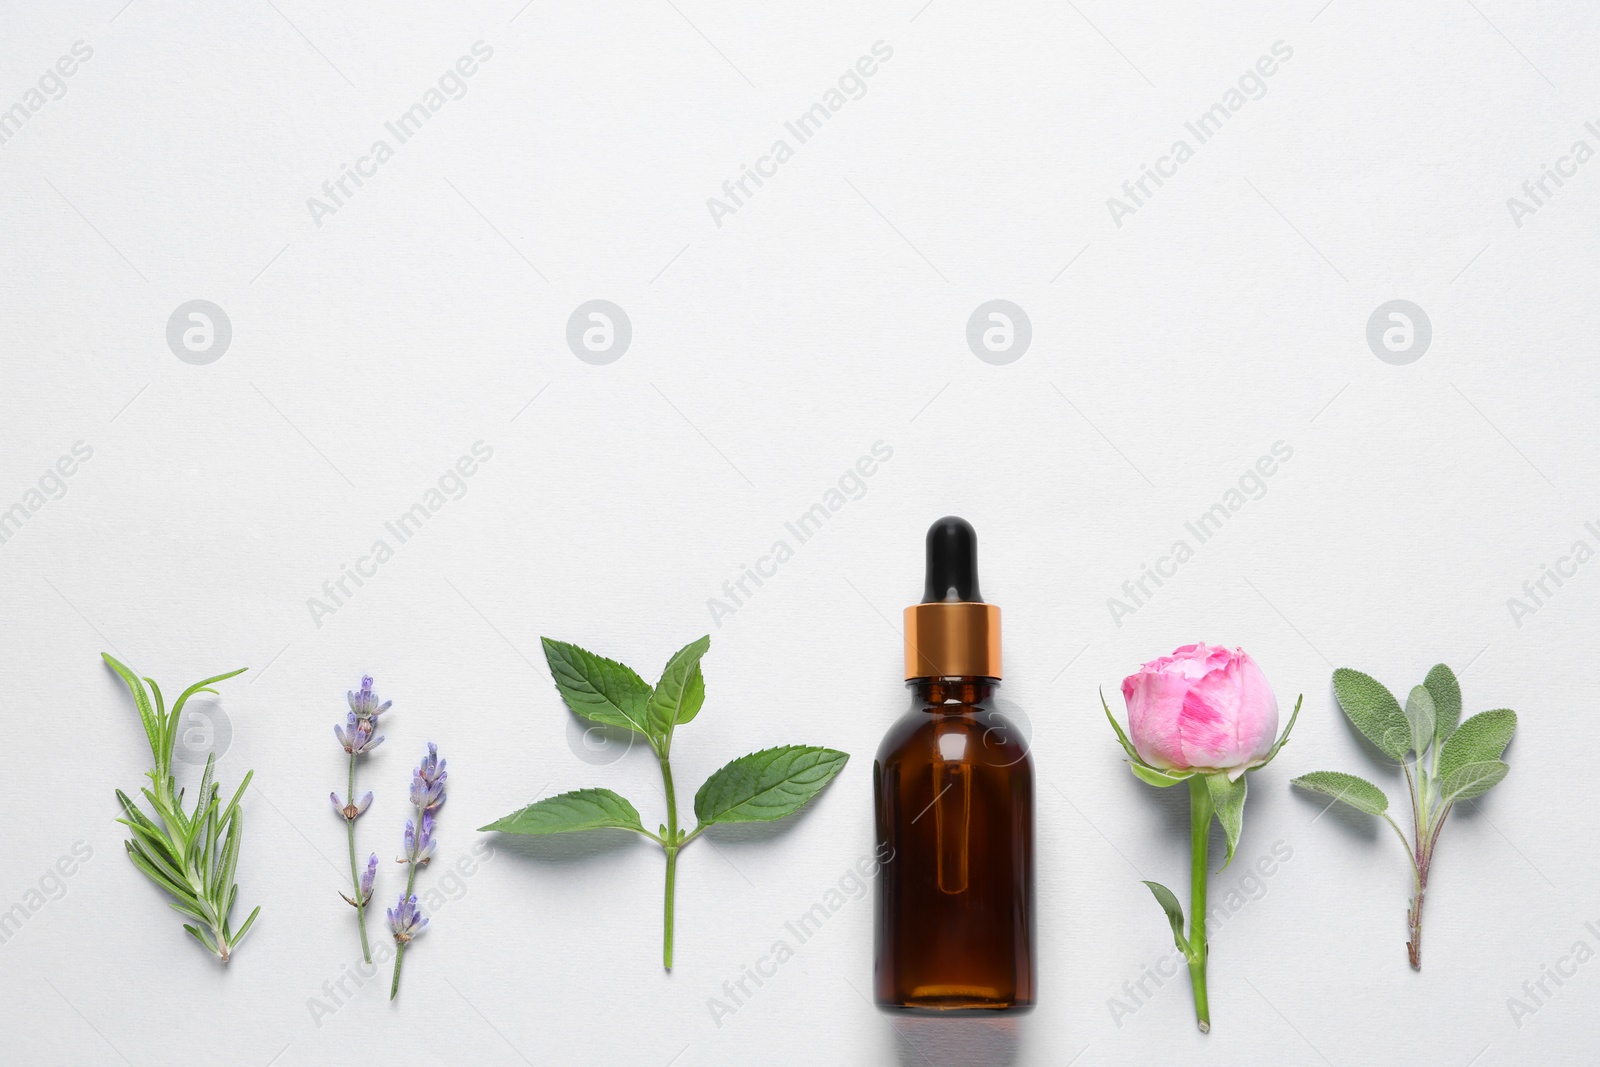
column 1454, row 761
column 761, row 787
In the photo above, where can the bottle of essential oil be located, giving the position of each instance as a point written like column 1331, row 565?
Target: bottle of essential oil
column 953, row 785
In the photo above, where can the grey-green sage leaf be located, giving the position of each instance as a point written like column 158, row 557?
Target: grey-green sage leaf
column 1446, row 692
column 1422, row 717
column 1473, row 780
column 1482, row 737
column 1356, row 792
column 1373, row 710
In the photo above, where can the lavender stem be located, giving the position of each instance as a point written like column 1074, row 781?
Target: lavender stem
column 355, row 874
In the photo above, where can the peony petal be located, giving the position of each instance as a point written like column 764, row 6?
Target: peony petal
column 1155, row 703
column 1210, row 711
column 1257, row 727
column 1192, row 662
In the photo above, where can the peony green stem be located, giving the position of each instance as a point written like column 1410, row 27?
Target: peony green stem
column 1200, row 813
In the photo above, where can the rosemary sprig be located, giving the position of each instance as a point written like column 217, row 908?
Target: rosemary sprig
column 190, row 855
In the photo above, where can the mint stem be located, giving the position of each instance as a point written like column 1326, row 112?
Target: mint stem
column 1200, row 813
column 355, row 874
column 672, row 844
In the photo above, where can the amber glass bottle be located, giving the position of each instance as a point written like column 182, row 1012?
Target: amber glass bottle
column 954, row 795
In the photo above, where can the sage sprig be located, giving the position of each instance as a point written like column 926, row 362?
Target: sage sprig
column 190, row 855
column 761, row 787
column 1453, row 761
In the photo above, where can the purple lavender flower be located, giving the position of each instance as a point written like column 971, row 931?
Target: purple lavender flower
column 425, row 796
column 427, row 782
column 432, row 767
column 407, row 921
column 355, row 737
column 364, row 704
column 419, row 845
column 351, row 811
column 368, row 878
column 364, row 886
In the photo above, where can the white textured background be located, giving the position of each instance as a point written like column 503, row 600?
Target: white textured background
column 429, row 312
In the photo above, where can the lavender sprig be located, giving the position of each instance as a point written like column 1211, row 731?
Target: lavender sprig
column 358, row 737
column 406, row 920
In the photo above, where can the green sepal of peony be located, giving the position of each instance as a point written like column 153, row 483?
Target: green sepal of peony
column 1227, row 797
column 1155, row 776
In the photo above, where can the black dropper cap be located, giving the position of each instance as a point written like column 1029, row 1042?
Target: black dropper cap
column 952, row 562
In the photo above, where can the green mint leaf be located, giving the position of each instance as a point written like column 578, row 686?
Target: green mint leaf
column 1174, row 910
column 766, row 785
column 1473, row 780
column 1228, row 800
column 1481, row 738
column 1356, row 792
column 597, row 688
column 678, row 696
column 1374, row 710
column 581, row 809
column 1446, row 693
column 1160, row 779
column 1422, row 717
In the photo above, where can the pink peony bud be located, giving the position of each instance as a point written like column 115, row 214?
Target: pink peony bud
column 1201, row 708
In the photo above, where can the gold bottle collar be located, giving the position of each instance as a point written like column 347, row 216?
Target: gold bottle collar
column 952, row 639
